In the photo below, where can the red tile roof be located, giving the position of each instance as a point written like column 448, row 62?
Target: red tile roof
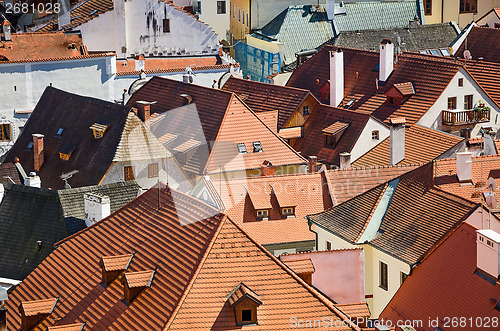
column 428, row 75
column 38, row 307
column 356, row 310
column 422, row 145
column 335, row 127
column 303, row 266
column 119, row 262
column 200, row 257
column 240, row 292
column 262, row 97
column 445, row 285
column 68, row 327
column 307, row 192
column 405, row 88
column 159, row 64
column 485, row 74
column 482, row 42
column 139, row 278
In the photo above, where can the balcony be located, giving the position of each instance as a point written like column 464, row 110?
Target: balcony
column 462, row 117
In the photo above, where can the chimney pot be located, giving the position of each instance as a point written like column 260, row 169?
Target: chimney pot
column 313, row 164
column 6, row 30
column 267, row 169
column 336, row 77
column 144, row 110
column 38, row 155
column 386, row 63
column 345, row 160
column 97, row 207
column 464, row 167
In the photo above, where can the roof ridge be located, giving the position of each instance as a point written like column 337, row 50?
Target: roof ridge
column 314, row 252
column 376, row 167
column 176, row 69
column 268, row 84
column 63, row 58
column 271, row 177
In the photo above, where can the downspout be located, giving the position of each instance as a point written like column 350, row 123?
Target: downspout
column 442, row 11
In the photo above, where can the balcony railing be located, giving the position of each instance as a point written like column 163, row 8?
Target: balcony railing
column 453, row 117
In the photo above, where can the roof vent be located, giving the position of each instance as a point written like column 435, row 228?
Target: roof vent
column 112, row 266
column 135, row 282
column 188, row 98
column 33, row 312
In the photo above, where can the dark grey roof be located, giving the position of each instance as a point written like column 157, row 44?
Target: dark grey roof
column 413, row 39
column 28, row 215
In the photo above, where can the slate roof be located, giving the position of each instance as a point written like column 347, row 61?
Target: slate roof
column 482, row 42
column 29, row 214
column 308, row 193
column 200, row 256
column 422, row 145
column 10, row 174
column 92, row 157
column 418, row 216
column 446, row 284
column 413, row 38
column 262, row 97
column 430, row 75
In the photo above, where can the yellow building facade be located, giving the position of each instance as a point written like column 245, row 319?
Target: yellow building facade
column 461, row 11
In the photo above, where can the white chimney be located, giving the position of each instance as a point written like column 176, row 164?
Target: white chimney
column 397, row 140
column 97, row 207
column 345, row 160
column 6, row 30
column 488, row 252
column 386, row 63
column 464, row 167
column 64, row 13
column 330, row 9
column 139, row 63
column 33, row 180
column 2, row 192
column 336, row 77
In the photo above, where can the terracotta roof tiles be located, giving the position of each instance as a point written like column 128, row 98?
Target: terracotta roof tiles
column 355, row 310
column 405, row 88
column 240, row 292
column 335, row 127
column 304, row 266
column 68, row 327
column 38, row 307
column 139, row 278
column 127, row 67
column 118, row 262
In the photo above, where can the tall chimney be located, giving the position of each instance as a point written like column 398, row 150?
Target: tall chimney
column 144, row 110
column 336, row 77
column 345, row 160
column 266, row 169
column 386, row 60
column 33, row 180
column 397, row 149
column 64, row 13
column 488, row 252
column 313, row 165
column 330, row 9
column 38, row 156
column 140, row 63
column 97, row 207
column 464, row 167
column 6, row 30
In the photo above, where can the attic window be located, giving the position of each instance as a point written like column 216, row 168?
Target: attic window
column 257, row 147
column 66, row 151
column 59, row 132
column 245, row 303
column 30, row 145
column 460, row 82
column 242, row 149
column 98, row 129
column 112, row 266
column 375, row 135
column 6, row 132
column 288, row 211
column 305, row 110
column 166, row 25
column 262, row 213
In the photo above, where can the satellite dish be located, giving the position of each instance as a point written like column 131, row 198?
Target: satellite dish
column 490, row 199
column 467, row 55
column 492, row 184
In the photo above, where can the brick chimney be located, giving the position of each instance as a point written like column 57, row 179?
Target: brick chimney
column 464, row 167
column 336, row 77
column 386, row 63
column 397, row 138
column 143, row 110
column 345, row 160
column 488, row 252
column 97, row 207
column 6, row 30
column 312, row 165
column 266, row 169
column 38, row 156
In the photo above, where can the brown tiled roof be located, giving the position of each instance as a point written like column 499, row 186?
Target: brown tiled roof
column 335, row 127
column 446, row 284
column 118, row 262
column 308, row 192
column 422, row 145
column 304, row 266
column 345, row 184
column 482, row 42
column 429, row 76
column 240, row 292
column 397, row 120
column 486, row 75
column 261, row 97
column 38, row 307
column 313, row 142
column 139, row 278
column 405, row 88
column 288, row 133
column 68, row 327
column 10, row 174
column 355, row 310
column 92, row 157
column 200, row 256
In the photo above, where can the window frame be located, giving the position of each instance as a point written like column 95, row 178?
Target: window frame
column 328, row 245
column 330, row 141
column 221, row 7
column 166, row 25
column 375, row 135
column 383, row 275
column 463, row 4
column 453, row 102
column 153, row 170
column 428, row 7
column 128, row 173
column 264, row 213
column 6, row 135
column 242, row 150
column 305, row 110
column 234, row 11
column 257, row 147
column 468, row 101
column 239, row 14
column 291, row 213
column 403, row 276
column 460, row 82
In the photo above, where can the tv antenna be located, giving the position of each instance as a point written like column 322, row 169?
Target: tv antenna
column 67, row 176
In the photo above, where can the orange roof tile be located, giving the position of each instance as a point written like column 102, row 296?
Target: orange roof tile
column 397, row 120
column 156, row 64
column 139, row 278
column 285, row 199
column 36, row 307
column 260, row 200
column 119, row 262
column 289, row 133
column 68, row 327
column 475, row 141
column 304, row 266
column 422, row 145
column 200, row 257
column 240, row 292
column 405, row 88
column 497, row 145
column 335, row 127
column 445, row 284
column 355, row 310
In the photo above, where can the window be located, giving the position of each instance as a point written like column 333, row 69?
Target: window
column 460, row 82
column 497, row 306
column 257, row 147
column 221, row 7
column 129, row 173
column 246, row 315
column 98, row 129
column 30, row 145
column 428, row 7
column 452, row 103
column 59, row 132
column 6, row 131
column 403, row 277
column 468, row 101
column 465, row 133
column 239, row 15
column 247, row 20
column 328, row 246
column 63, row 156
column 489, row 243
column 242, row 149
column 468, row 6
column 234, row 10
column 497, row 25
column 153, row 170
column 330, row 141
column 166, row 25
column 305, row 110
column 287, row 211
column 392, row 100
column 375, row 135
column 262, row 213
column 243, row 18
column 383, row 276
column 15, row 88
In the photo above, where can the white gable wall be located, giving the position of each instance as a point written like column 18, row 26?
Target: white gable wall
column 365, row 141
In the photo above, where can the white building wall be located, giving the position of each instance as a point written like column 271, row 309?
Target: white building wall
column 218, row 22
column 365, row 141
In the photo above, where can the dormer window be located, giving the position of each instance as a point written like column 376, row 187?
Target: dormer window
column 242, row 148
column 257, row 147
column 305, row 110
column 288, row 211
column 112, row 266
column 332, row 133
column 398, row 93
column 59, row 132
column 135, row 282
column 30, row 145
column 66, row 151
column 33, row 312
column 245, row 303
column 262, row 213
column 98, row 129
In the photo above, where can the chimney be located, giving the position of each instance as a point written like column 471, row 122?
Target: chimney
column 37, row 151
column 345, row 160
column 6, row 30
column 144, row 110
column 330, row 9
column 386, row 60
column 336, row 77
column 397, row 149
column 140, row 63
column 64, row 17
column 266, row 169
column 97, row 207
column 464, row 167
column 313, row 165
column 187, row 98
column 488, row 252
column 33, row 180
column 2, row 192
